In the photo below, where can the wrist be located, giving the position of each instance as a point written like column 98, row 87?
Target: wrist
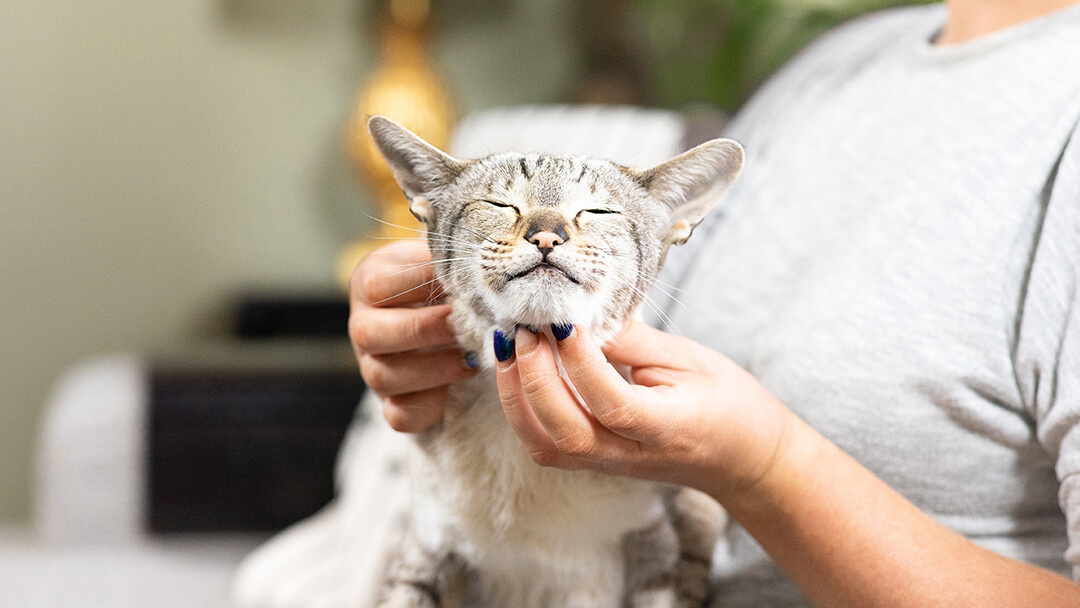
column 797, row 453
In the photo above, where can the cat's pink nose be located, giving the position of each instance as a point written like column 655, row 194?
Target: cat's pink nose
column 545, row 241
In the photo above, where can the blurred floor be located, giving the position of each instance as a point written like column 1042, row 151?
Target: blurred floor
column 178, row 572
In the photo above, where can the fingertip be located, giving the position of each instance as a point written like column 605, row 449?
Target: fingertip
column 416, row 412
column 471, row 360
column 562, row 331
column 397, row 419
column 525, row 340
column 503, row 344
column 431, row 326
column 575, row 342
column 443, row 316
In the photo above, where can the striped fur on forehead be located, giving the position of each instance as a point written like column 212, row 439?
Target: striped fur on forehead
column 545, row 179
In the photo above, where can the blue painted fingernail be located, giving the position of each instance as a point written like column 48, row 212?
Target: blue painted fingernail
column 471, row 360
column 504, row 346
column 561, row 331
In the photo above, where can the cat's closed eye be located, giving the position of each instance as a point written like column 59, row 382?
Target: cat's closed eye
column 502, row 206
column 599, row 212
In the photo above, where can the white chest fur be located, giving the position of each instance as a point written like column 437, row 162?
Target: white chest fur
column 527, row 529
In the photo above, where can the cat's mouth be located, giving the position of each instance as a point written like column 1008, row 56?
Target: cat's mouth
column 544, row 267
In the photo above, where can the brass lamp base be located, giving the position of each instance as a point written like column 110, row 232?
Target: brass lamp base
column 405, row 87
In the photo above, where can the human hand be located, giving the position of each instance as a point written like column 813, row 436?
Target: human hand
column 693, row 417
column 406, row 349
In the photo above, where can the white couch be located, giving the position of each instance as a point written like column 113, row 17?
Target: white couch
column 87, row 547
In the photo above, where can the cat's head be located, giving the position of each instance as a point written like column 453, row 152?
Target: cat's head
column 536, row 239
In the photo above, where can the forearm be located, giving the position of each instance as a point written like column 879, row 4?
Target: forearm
column 847, row 539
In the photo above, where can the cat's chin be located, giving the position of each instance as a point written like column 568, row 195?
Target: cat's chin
column 543, row 298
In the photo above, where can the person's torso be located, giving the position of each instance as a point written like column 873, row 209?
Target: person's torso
column 870, row 263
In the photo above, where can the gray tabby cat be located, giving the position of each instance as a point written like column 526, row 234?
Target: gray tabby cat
column 545, row 241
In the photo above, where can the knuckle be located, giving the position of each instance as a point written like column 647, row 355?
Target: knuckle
column 533, row 382
column 577, row 444
column 412, row 413
column 544, row 457
column 508, row 396
column 359, row 332
column 356, row 278
column 623, row 415
column 375, row 374
column 369, row 284
column 414, row 329
column 396, row 417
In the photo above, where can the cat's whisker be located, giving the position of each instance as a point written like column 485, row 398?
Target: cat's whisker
column 437, row 241
column 409, row 267
column 438, row 236
column 484, row 143
column 410, row 290
column 393, row 225
column 421, row 231
column 419, row 239
column 433, row 261
column 454, row 246
column 466, row 229
column 665, row 318
column 656, row 308
column 657, row 280
column 671, row 296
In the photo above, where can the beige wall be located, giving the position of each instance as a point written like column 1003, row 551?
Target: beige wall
column 156, row 157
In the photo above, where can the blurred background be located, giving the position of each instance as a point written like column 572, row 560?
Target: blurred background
column 160, row 160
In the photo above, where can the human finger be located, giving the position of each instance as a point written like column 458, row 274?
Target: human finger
column 401, row 373
column 640, row 345
column 617, row 405
column 573, row 430
column 398, row 274
column 524, row 422
column 395, row 330
column 415, row 412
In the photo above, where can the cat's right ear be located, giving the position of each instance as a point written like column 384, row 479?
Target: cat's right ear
column 419, row 167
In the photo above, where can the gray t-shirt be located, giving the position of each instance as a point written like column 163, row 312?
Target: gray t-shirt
column 898, row 264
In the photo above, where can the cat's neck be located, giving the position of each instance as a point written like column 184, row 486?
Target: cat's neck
column 475, row 330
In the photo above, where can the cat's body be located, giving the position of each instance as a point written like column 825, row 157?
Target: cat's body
column 538, row 240
column 532, row 536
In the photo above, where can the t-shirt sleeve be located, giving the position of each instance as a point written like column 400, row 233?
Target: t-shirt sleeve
column 1047, row 359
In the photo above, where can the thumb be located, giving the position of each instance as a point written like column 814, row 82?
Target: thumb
column 642, row 346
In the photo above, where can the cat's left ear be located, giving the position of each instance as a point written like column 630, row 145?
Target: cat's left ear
column 691, row 184
column 419, row 167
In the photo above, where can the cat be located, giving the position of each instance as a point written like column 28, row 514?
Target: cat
column 541, row 240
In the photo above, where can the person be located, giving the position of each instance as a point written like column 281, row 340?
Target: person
column 879, row 369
